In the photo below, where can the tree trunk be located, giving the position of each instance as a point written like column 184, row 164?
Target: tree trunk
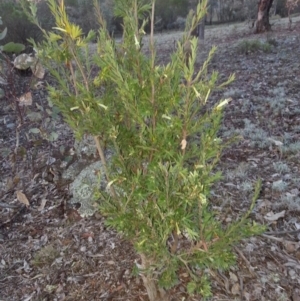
column 262, row 22
column 201, row 28
column 153, row 291
column 275, row 7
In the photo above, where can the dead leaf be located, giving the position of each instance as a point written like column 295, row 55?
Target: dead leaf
column 29, row 297
column 22, row 198
column 290, row 246
column 263, row 204
column 247, row 296
column 256, row 160
column 87, row 235
column 183, row 144
column 38, row 70
column 66, row 242
column 26, row 99
column 290, row 100
column 35, row 176
column 276, row 142
column 230, row 185
column 16, row 180
column 26, row 266
column 271, row 217
column 24, row 61
column 233, row 277
column 42, row 206
column 292, row 264
column 9, row 183
column 50, row 288
column 73, row 215
column 39, row 85
column 235, row 289
column 110, row 262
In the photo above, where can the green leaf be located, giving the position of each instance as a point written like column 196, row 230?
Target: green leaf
column 34, row 116
column 3, row 33
column 91, row 36
column 34, row 131
column 33, row 9
column 53, row 136
column 12, row 47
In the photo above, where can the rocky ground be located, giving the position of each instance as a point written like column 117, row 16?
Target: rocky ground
column 48, row 251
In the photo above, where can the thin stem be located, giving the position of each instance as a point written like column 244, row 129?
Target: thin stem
column 86, row 83
column 153, row 71
column 154, row 292
column 73, row 78
column 136, row 20
column 187, row 267
column 175, row 243
column 17, row 139
column 103, row 160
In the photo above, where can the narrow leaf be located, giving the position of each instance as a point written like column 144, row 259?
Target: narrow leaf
column 3, row 33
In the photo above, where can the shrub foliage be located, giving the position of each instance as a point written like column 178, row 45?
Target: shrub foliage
column 163, row 135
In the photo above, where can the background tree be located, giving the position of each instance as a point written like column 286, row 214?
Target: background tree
column 263, row 22
column 291, row 5
column 212, row 7
column 199, row 29
column 168, row 10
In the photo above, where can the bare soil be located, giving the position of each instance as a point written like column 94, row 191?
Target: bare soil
column 49, row 252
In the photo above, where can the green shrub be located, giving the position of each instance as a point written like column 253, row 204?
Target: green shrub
column 163, row 137
column 252, row 46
